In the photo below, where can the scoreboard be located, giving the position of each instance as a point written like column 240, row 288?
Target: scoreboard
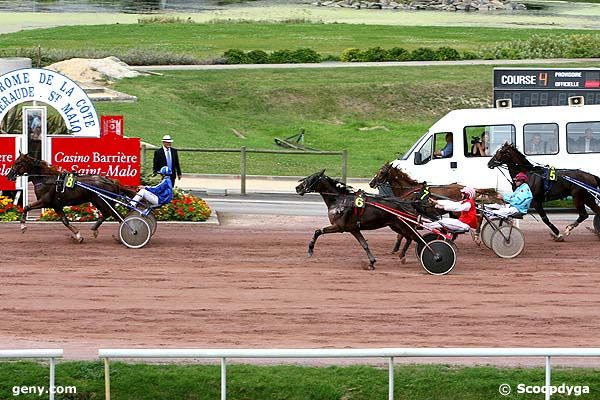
column 529, row 87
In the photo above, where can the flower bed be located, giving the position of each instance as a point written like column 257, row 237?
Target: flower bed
column 183, row 207
column 9, row 211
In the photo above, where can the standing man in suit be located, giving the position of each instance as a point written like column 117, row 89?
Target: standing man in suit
column 587, row 143
column 167, row 156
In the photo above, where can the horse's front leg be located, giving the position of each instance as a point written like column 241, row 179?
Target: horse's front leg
column 365, row 245
column 30, row 206
column 556, row 235
column 76, row 235
column 319, row 232
column 583, row 215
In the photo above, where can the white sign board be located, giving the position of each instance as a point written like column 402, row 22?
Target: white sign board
column 54, row 89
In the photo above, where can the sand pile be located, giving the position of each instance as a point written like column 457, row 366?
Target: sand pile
column 105, row 70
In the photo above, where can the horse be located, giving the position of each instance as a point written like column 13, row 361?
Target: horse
column 405, row 187
column 44, row 178
column 543, row 189
column 346, row 216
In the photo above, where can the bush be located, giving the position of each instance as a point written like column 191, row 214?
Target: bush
column 306, row 55
column 447, row 53
column 397, row 54
column 423, row 54
column 537, row 46
column 374, row 54
column 258, row 57
column 9, row 211
column 236, row 56
column 284, row 56
column 350, row 55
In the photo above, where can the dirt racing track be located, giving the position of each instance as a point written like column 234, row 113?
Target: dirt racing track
column 249, row 283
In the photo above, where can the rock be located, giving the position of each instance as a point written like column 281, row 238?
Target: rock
column 94, row 70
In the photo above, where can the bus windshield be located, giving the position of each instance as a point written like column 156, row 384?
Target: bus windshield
column 412, row 148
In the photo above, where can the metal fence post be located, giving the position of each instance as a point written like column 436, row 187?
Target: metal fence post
column 243, row 170
column 223, row 379
column 52, row 382
column 548, row 377
column 391, row 378
column 106, row 379
column 344, row 165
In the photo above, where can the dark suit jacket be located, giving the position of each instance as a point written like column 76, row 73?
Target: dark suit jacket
column 160, row 160
column 580, row 144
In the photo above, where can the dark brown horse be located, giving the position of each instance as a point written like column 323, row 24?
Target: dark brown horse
column 44, row 178
column 545, row 190
column 405, row 187
column 345, row 216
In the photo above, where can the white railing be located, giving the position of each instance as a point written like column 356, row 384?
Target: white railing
column 389, row 353
column 51, row 354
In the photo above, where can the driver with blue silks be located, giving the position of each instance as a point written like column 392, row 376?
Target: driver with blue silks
column 518, row 202
column 159, row 194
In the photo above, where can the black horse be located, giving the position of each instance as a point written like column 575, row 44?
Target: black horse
column 44, row 178
column 545, row 189
column 346, row 215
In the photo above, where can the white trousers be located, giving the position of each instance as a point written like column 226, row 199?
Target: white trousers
column 146, row 195
column 451, row 223
column 503, row 210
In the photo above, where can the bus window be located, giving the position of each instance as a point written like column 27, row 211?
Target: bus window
column 423, row 156
column 583, row 137
column 484, row 140
column 540, row 139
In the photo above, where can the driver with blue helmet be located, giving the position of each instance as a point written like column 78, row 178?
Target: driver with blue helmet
column 159, row 194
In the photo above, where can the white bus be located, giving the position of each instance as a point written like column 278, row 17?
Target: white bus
column 560, row 136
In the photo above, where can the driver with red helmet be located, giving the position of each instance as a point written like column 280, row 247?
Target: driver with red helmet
column 518, row 201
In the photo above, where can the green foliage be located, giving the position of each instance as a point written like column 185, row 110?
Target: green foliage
column 235, row 56
column 306, row 55
column 542, row 46
column 374, row 54
column 284, row 56
column 423, row 54
column 447, row 54
column 398, row 54
column 257, row 57
column 350, row 55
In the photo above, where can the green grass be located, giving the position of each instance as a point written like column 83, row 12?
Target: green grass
column 415, row 382
column 207, row 41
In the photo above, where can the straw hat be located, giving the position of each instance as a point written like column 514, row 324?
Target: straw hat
column 167, row 138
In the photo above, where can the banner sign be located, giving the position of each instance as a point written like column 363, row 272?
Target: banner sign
column 7, row 159
column 110, row 155
column 111, row 125
column 60, row 92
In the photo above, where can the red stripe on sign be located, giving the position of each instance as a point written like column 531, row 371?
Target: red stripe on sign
column 592, row 84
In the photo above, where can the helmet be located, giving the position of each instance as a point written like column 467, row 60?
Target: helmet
column 165, row 171
column 469, row 191
column 521, row 176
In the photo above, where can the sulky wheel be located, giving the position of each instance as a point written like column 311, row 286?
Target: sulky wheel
column 150, row 219
column 439, row 257
column 487, row 230
column 597, row 223
column 134, row 232
column 508, row 241
column 427, row 238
